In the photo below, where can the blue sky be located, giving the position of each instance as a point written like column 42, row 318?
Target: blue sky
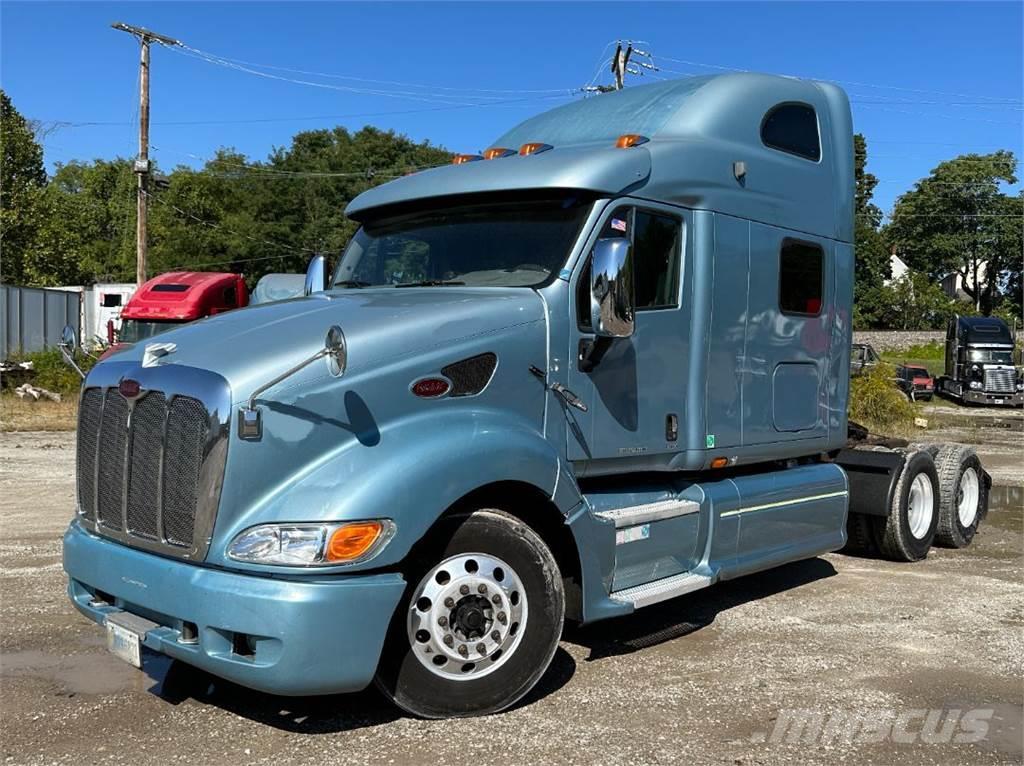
column 928, row 81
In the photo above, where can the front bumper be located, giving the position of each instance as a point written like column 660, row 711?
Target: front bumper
column 983, row 397
column 311, row 635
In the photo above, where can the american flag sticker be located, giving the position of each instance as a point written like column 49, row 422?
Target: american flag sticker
column 618, row 224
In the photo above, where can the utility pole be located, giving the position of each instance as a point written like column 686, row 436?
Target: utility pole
column 142, row 164
column 624, row 62
column 619, row 63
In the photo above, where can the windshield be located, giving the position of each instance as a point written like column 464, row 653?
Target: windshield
column 491, row 244
column 989, row 356
column 134, row 330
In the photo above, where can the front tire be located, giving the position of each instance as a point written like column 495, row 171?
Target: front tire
column 480, row 620
column 907, row 532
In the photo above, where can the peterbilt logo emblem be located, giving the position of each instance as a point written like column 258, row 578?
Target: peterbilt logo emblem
column 128, row 388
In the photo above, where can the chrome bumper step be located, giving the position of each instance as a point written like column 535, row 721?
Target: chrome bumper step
column 644, row 514
column 661, row 590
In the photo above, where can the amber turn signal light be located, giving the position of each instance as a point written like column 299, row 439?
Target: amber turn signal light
column 497, row 152
column 533, row 148
column 720, row 462
column 353, row 540
column 461, row 159
column 627, row 140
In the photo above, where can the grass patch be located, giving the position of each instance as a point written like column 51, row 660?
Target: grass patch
column 43, row 415
column 876, row 403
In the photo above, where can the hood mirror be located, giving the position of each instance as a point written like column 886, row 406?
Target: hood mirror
column 316, row 276
column 337, row 351
column 68, row 345
column 250, row 422
column 611, row 289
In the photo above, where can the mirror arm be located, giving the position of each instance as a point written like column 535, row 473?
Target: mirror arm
column 592, row 351
column 70, row 360
column 286, row 374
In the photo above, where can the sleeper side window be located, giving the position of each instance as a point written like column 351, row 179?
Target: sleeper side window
column 656, row 239
column 792, row 128
column 801, row 278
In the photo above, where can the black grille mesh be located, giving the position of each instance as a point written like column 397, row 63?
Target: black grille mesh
column 187, row 426
column 470, row 376
column 113, row 441
column 89, row 414
column 143, row 481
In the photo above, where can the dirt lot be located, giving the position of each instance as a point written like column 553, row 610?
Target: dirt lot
column 713, row 677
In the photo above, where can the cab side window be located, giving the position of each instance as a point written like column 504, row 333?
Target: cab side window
column 792, row 128
column 801, row 279
column 656, row 241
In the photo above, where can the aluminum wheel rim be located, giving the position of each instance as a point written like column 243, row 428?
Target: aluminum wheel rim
column 467, row 616
column 969, row 495
column 920, row 506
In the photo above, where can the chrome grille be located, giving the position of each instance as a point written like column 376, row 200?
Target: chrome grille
column 1000, row 381
column 88, row 436
column 150, row 468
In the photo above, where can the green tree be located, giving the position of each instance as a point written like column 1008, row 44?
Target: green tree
column 22, row 180
column 871, row 253
column 912, row 302
column 959, row 221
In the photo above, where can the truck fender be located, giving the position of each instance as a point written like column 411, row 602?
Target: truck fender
column 413, row 482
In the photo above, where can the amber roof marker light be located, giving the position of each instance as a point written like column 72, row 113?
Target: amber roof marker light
column 627, row 140
column 497, row 152
column 533, row 148
column 462, row 159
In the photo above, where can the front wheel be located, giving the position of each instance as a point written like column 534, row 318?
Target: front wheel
column 480, row 623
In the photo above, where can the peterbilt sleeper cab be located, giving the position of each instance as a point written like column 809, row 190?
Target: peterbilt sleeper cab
column 602, row 365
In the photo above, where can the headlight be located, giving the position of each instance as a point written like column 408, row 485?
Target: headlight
column 975, row 384
column 304, row 545
column 1020, row 386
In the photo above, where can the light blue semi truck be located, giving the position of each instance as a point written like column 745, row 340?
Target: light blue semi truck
column 600, row 366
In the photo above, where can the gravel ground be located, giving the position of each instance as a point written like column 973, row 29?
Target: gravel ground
column 706, row 678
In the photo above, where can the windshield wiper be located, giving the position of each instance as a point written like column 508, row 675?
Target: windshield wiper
column 430, row 283
column 351, row 283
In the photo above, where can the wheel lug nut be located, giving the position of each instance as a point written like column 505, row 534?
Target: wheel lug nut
column 502, row 618
column 481, row 588
column 449, row 640
column 442, row 621
column 463, row 650
column 464, row 590
column 495, row 635
column 481, row 649
column 449, row 602
column 496, row 598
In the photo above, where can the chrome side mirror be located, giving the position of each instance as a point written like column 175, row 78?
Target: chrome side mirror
column 316, row 276
column 611, row 289
column 337, row 351
column 68, row 345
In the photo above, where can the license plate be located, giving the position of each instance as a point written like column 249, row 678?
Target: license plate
column 125, row 644
column 997, row 401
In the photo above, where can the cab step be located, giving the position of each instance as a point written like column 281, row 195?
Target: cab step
column 661, row 590
column 645, row 514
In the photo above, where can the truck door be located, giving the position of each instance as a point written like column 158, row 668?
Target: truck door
column 634, row 394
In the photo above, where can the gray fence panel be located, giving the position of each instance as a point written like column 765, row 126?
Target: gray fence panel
column 33, row 317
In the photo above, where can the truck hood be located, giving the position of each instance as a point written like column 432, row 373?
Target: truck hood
column 250, row 346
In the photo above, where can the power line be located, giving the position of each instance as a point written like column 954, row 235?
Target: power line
column 354, row 78
column 214, row 225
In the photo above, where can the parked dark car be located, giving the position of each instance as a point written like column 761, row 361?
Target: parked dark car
column 916, row 382
column 863, row 358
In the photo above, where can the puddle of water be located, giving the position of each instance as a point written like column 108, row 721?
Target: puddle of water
column 92, row 673
column 1005, row 498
